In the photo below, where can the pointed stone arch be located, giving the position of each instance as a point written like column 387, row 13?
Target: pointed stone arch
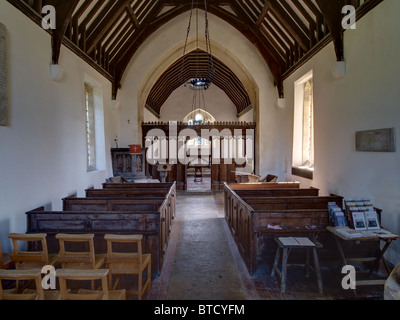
column 175, row 53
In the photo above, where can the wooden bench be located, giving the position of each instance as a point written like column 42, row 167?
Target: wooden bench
column 290, row 192
column 126, row 193
column 163, row 205
column 132, row 185
column 111, row 204
column 138, row 193
column 292, row 203
column 264, row 185
column 255, row 221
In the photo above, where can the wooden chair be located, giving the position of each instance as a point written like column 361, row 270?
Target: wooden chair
column 24, row 294
column 135, row 262
column 65, row 275
column 27, row 260
column 80, row 260
column 5, row 261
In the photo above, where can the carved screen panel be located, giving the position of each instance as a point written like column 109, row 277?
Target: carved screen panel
column 3, row 77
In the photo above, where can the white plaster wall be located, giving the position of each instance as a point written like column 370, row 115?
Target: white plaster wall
column 273, row 136
column 248, row 116
column 43, row 151
column 366, row 98
column 179, row 105
column 149, row 116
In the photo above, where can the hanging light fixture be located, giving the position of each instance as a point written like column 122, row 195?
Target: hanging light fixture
column 199, row 112
column 203, row 78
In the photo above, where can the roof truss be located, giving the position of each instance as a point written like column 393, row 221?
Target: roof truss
column 107, row 33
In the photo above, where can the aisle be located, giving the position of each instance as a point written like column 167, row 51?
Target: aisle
column 203, row 267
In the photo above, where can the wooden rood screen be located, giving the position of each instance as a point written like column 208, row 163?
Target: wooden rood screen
column 227, row 146
column 255, row 216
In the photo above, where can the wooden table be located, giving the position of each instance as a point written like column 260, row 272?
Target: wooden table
column 374, row 260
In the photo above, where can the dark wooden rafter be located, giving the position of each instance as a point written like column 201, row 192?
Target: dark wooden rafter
column 104, row 21
column 108, row 33
column 64, row 11
column 196, row 63
column 333, row 14
column 244, row 24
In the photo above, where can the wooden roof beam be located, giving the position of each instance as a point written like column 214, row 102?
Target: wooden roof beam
column 332, row 11
column 132, row 16
column 271, row 56
column 288, row 23
column 64, row 11
column 104, row 22
column 263, row 14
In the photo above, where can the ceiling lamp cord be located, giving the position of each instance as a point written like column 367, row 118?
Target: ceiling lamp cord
column 199, row 82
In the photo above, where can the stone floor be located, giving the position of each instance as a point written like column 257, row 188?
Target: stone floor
column 203, row 263
column 199, row 185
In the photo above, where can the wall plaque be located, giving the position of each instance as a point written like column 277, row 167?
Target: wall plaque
column 3, row 77
column 381, row 140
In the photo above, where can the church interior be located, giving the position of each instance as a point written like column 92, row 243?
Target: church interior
column 226, row 141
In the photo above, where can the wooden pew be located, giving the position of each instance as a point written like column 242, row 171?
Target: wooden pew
column 137, row 193
column 131, row 185
column 290, row 192
column 264, row 185
column 111, row 204
column 129, row 205
column 126, row 193
column 148, row 213
column 255, row 221
column 291, row 203
column 146, row 223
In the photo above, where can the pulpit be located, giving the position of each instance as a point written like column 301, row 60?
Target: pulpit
column 129, row 166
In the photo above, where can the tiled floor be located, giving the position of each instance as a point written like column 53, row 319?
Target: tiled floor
column 202, row 263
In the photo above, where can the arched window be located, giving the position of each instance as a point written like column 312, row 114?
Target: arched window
column 199, row 116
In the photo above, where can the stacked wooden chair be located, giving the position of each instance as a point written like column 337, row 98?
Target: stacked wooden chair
column 28, row 260
column 22, row 294
column 66, row 293
column 132, row 263
column 77, row 262
column 5, row 261
column 84, row 259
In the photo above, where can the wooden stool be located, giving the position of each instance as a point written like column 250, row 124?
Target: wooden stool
column 286, row 245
